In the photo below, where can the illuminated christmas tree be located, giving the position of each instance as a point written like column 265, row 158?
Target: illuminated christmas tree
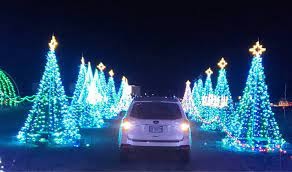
column 126, row 98
column 120, row 92
column 103, row 89
column 208, row 109
column 49, row 120
column 76, row 106
column 197, row 98
column 91, row 115
column 83, row 98
column 257, row 129
column 112, row 97
column 222, row 92
column 188, row 102
column 7, row 90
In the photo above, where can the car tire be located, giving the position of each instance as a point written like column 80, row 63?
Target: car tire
column 185, row 156
column 124, row 155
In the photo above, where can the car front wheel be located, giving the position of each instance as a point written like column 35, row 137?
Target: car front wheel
column 185, row 155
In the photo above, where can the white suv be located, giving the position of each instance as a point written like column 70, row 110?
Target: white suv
column 155, row 122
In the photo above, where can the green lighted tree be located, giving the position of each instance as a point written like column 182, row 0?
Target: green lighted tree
column 257, row 126
column 49, row 120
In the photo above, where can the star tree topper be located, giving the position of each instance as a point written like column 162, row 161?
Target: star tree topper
column 101, row 66
column 53, row 44
column 209, row 72
column 82, row 60
column 257, row 49
column 222, row 63
column 188, row 82
column 111, row 73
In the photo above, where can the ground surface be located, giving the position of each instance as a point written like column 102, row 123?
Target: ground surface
column 207, row 153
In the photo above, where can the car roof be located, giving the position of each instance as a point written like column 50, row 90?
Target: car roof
column 157, row 99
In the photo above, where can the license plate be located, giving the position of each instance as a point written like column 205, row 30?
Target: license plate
column 155, row 129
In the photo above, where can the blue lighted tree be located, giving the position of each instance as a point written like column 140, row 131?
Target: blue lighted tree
column 197, row 98
column 103, row 89
column 49, row 121
column 188, row 102
column 112, row 97
column 208, row 110
column 257, row 128
column 222, row 92
column 76, row 106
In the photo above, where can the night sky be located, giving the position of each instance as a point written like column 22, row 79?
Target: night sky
column 157, row 45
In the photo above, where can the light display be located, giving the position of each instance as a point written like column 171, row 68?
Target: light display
column 208, row 112
column 76, row 106
column 112, row 96
column 187, row 101
column 257, row 128
column 122, row 86
column 103, row 89
column 126, row 98
column 49, row 121
column 222, row 93
column 7, row 90
column 94, row 96
column 91, row 101
column 197, row 93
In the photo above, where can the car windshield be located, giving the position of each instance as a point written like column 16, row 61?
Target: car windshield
column 155, row 110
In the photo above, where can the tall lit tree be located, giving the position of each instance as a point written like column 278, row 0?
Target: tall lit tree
column 208, row 111
column 122, row 85
column 197, row 97
column 222, row 92
column 126, row 98
column 91, row 115
column 76, row 107
column 103, row 89
column 112, row 96
column 188, row 102
column 257, row 127
column 49, row 120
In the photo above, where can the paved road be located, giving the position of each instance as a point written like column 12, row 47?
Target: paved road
column 207, row 154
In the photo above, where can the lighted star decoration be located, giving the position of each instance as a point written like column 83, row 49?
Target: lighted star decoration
column 82, row 60
column 209, row 72
column 124, row 78
column 53, row 44
column 257, row 49
column 222, row 63
column 111, row 73
column 188, row 82
column 101, row 66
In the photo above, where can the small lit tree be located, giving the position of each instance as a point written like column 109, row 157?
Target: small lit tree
column 208, row 110
column 222, row 92
column 188, row 102
column 197, row 98
column 112, row 96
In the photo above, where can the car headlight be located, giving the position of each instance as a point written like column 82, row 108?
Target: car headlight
column 185, row 126
column 126, row 125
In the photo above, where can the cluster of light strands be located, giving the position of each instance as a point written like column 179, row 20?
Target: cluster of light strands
column 257, row 128
column 232, row 140
column 215, row 101
column 49, row 121
column 7, row 90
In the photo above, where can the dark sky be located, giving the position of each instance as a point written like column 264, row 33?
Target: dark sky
column 158, row 45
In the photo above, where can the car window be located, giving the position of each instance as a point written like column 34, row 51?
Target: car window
column 155, row 110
